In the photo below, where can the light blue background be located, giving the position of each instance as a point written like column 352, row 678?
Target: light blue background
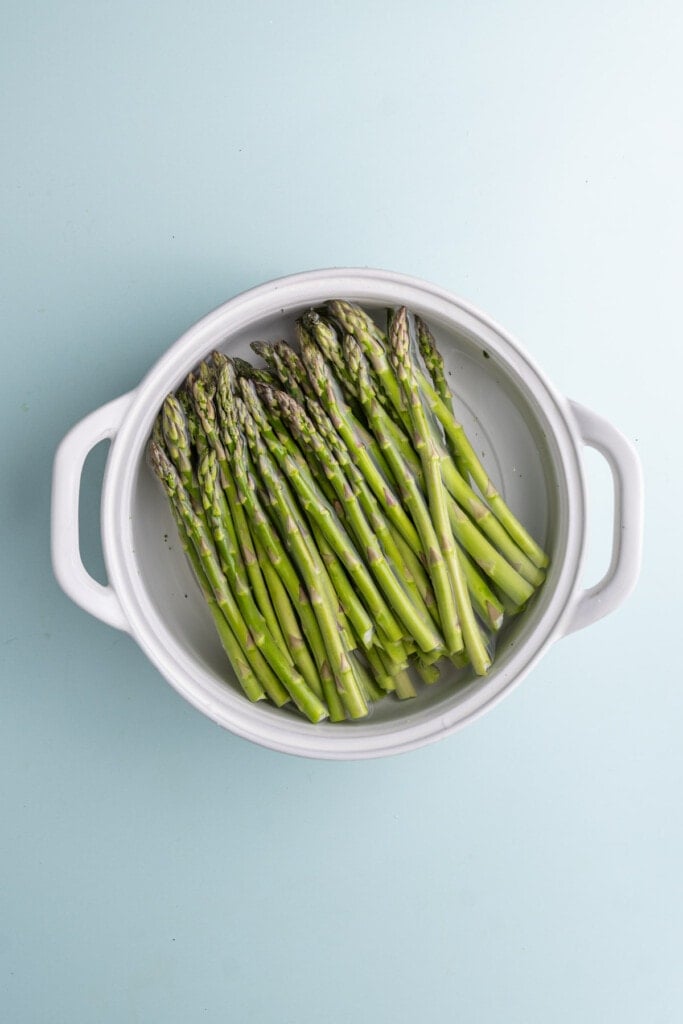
column 159, row 158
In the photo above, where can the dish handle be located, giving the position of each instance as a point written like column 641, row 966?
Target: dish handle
column 72, row 576
column 621, row 576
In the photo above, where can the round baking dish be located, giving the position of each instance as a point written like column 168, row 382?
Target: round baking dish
column 529, row 437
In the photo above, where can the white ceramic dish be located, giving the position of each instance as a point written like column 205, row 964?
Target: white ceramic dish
column 531, row 439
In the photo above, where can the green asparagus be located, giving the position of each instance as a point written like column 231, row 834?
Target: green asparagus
column 341, row 528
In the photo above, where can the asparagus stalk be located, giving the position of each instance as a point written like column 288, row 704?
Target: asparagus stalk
column 355, row 322
column 355, row 611
column 325, row 337
column 273, row 547
column 515, row 572
column 455, row 478
column 199, row 439
column 371, row 689
column 436, row 564
column 315, row 481
column 289, row 624
column 264, row 349
column 435, row 366
column 239, row 496
column 487, row 558
column 468, row 457
column 399, row 553
column 285, row 364
column 399, row 343
column 245, row 369
column 379, row 669
column 485, row 601
column 429, row 674
column 414, row 616
column 433, row 360
column 218, row 518
column 404, row 685
column 289, row 368
column 471, row 503
column 351, row 611
column 213, row 404
column 206, row 375
column 341, row 668
column 339, row 414
column 236, row 656
column 213, row 416
column 199, row 535
column 319, row 510
column 176, row 433
column 293, row 649
column 283, row 627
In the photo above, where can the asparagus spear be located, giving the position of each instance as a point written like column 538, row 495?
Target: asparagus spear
column 274, row 434
column 455, row 477
column 471, row 503
column 436, row 564
column 339, row 414
column 325, row 337
column 288, row 515
column 355, row 611
column 371, row 690
column 313, row 476
column 433, row 361
column 212, row 403
column 485, row 601
column 272, row 545
column 176, row 433
column 197, row 434
column 435, row 367
column 468, row 457
column 397, row 550
column 319, row 510
column 198, row 533
column 517, row 576
column 245, row 369
column 428, row 673
column 456, row 474
column 220, row 524
column 414, row 616
column 293, row 649
column 206, row 375
column 404, row 685
column 382, row 677
column 286, row 366
column 290, row 368
column 465, row 531
column 264, row 349
column 487, row 558
column 236, row 656
column 218, row 418
column 293, row 638
column 399, row 346
column 356, row 323
column 240, row 494
column 282, row 627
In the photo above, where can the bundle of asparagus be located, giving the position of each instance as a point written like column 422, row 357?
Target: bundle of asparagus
column 338, row 521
